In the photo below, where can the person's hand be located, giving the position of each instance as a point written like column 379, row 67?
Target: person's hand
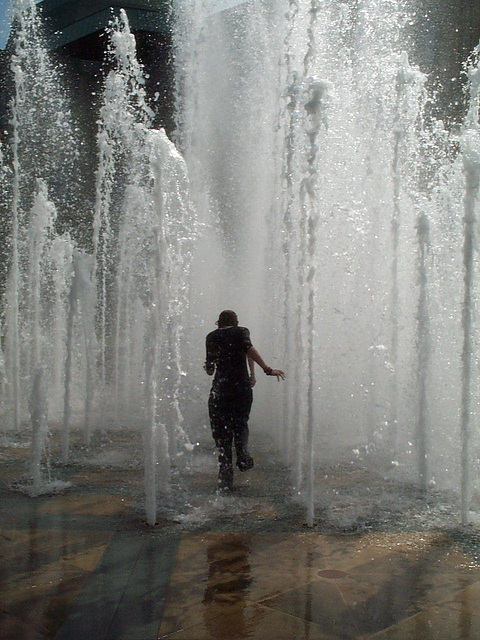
column 278, row 373
column 253, row 381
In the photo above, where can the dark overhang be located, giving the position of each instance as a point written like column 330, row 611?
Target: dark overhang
column 68, row 21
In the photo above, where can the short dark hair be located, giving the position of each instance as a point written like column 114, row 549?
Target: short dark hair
column 227, row 318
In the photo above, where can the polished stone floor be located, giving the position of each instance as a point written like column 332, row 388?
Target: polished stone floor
column 82, row 565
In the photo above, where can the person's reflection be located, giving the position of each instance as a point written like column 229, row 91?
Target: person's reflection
column 227, row 586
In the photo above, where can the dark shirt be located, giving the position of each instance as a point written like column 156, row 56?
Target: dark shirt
column 226, row 350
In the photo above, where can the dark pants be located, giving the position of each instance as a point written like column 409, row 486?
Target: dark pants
column 229, row 413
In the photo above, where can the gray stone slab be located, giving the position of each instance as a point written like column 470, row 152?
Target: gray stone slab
column 141, row 608
column 95, row 608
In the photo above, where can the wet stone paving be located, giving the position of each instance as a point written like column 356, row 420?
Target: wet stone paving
column 84, row 565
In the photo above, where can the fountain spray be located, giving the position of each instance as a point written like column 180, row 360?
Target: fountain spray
column 423, row 348
column 42, row 220
column 124, row 119
column 288, row 224
column 315, row 108
column 12, row 315
column 398, row 134
column 40, row 119
column 38, row 412
column 72, row 307
column 471, row 165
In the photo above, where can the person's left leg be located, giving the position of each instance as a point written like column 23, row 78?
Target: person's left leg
column 223, row 440
column 222, row 432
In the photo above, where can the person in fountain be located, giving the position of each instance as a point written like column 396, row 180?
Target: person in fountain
column 228, row 350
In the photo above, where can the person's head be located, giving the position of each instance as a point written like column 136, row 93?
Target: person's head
column 227, row 318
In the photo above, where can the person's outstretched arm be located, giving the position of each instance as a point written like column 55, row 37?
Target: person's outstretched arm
column 251, row 366
column 256, row 357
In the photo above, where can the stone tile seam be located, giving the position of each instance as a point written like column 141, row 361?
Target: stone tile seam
column 19, row 620
column 290, row 615
column 438, row 604
column 250, row 602
column 125, row 587
column 167, row 586
column 377, row 634
column 445, row 601
column 70, row 559
column 299, row 586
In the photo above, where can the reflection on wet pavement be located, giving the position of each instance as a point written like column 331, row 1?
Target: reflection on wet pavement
column 83, row 566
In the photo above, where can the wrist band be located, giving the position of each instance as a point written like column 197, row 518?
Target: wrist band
column 268, row 371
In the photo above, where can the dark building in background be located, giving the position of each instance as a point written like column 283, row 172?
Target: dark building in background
column 444, row 34
column 75, row 30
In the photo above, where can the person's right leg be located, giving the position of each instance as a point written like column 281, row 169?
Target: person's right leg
column 241, row 432
column 223, row 440
column 244, row 459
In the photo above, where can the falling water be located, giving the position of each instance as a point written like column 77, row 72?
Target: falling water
column 471, row 166
column 40, row 119
column 12, row 319
column 42, row 220
column 288, row 227
column 423, row 348
column 75, row 318
column 72, row 307
column 61, row 255
column 315, row 110
column 292, row 225
column 124, row 119
column 38, row 412
column 366, row 349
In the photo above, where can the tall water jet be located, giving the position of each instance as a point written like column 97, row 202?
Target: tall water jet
column 315, row 108
column 13, row 286
column 42, row 220
column 316, row 118
column 405, row 78
column 67, row 409
column 61, row 258
column 166, row 296
column 81, row 307
column 423, row 348
column 86, row 305
column 292, row 116
column 150, row 436
column 144, row 227
column 39, row 416
column 177, row 231
column 40, row 119
column 287, row 239
column 124, row 119
column 411, row 138
column 471, row 165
